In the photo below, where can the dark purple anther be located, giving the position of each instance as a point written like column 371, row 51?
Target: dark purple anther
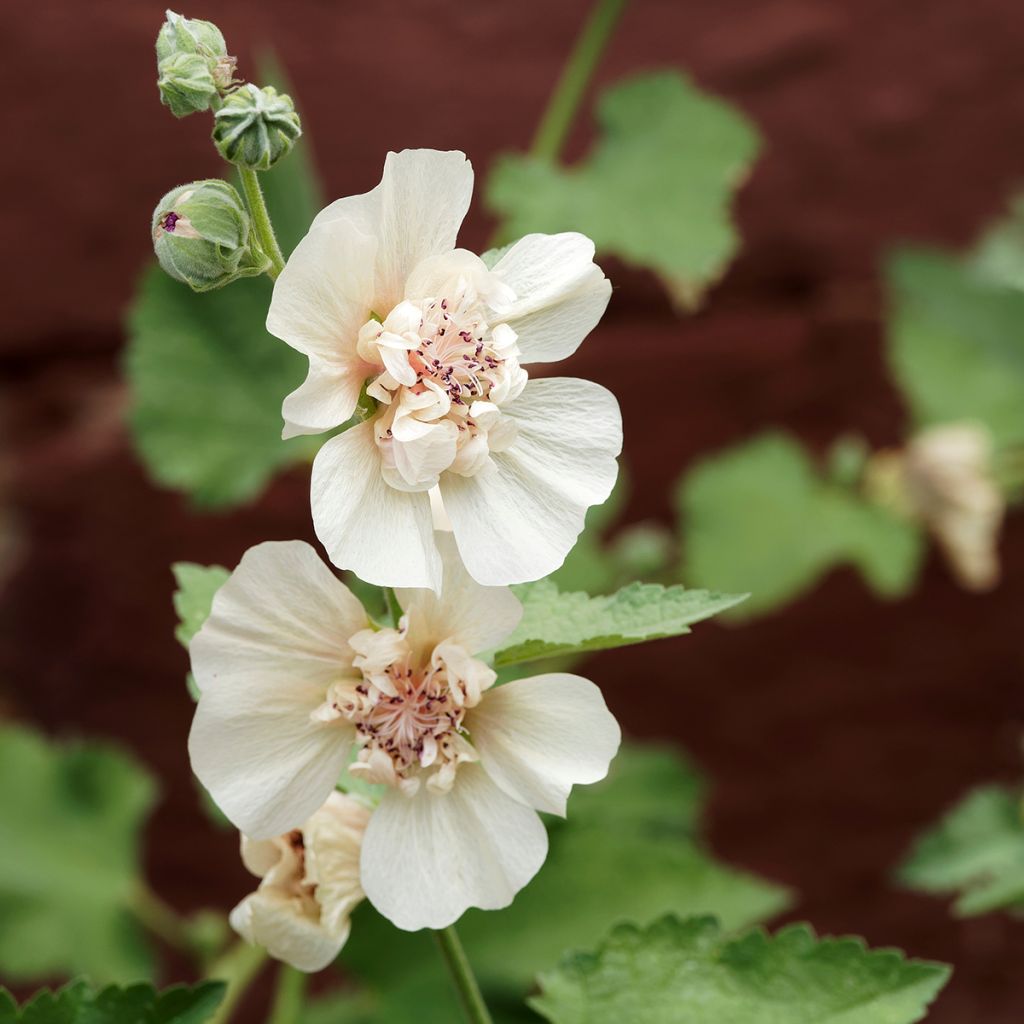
column 169, row 221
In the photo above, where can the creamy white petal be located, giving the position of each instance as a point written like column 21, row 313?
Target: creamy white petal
column 333, row 837
column 382, row 534
column 275, row 639
column 326, row 399
column 561, row 294
column 539, row 737
column 270, row 921
column 414, row 212
column 517, row 520
column 429, row 857
column 476, row 617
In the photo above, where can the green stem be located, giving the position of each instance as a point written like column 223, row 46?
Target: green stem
column 473, row 1005
column 261, row 225
column 161, row 919
column 238, row 967
column 288, row 996
column 393, row 607
column 565, row 100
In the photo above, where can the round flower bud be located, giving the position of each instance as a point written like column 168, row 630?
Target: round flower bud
column 255, row 127
column 201, row 235
column 189, row 35
column 186, row 83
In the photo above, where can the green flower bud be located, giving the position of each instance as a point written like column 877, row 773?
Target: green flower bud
column 186, row 84
column 189, row 35
column 255, row 127
column 201, row 234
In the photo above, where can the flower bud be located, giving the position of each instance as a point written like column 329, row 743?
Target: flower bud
column 201, row 234
column 255, row 127
column 186, row 84
column 189, row 35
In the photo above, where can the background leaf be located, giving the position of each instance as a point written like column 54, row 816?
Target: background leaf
column 70, row 818
column 197, row 585
column 686, row 971
column 976, row 851
column 758, row 517
column 656, row 189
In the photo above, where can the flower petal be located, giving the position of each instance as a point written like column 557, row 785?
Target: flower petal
column 382, row 534
column 326, row 399
column 517, row 520
column 561, row 294
column 539, row 737
column 270, row 920
column 429, row 857
column 275, row 640
column 475, row 617
column 414, row 212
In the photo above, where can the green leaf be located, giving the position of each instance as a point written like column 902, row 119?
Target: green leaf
column 70, row 818
column 758, row 517
column 656, row 189
column 955, row 343
column 556, row 624
column 207, row 380
column 998, row 257
column 629, row 849
column 193, row 599
column 78, row 1003
column 687, row 971
column 975, row 851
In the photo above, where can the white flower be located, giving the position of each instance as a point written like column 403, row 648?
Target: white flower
column 309, row 886
column 377, row 294
column 294, row 680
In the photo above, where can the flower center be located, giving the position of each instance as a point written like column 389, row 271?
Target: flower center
column 447, row 369
column 408, row 717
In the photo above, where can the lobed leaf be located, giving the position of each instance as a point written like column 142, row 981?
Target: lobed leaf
column 678, row 970
column 656, row 189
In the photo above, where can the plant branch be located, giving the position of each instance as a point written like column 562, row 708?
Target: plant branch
column 238, row 967
column 288, row 996
column 261, row 225
column 472, row 1000
column 162, row 919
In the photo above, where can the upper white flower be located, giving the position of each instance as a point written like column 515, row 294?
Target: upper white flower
column 309, row 886
column 376, row 294
column 293, row 679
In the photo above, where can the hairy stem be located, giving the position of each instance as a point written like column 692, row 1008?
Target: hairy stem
column 565, row 100
column 238, row 967
column 261, row 225
column 473, row 1005
column 288, row 996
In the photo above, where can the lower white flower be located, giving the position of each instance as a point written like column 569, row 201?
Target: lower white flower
column 309, row 886
column 294, row 680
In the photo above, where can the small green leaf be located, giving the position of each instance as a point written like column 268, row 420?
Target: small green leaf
column 677, row 971
column 556, row 624
column 78, row 1003
column 998, row 257
column 976, row 851
column 70, row 817
column 629, row 849
column 197, row 585
column 758, row 517
column 955, row 343
column 656, row 190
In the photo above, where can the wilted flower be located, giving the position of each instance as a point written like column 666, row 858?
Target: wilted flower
column 309, row 886
column 376, row 295
column 294, row 679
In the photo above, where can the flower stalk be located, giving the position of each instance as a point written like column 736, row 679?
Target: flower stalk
column 288, row 996
column 261, row 225
column 461, row 973
column 162, row 920
column 239, row 967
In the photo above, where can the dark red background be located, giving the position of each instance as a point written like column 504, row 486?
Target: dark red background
column 834, row 730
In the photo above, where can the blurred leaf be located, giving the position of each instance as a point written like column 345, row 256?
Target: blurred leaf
column 555, row 624
column 656, row 189
column 197, row 585
column 677, row 971
column 207, row 380
column 340, row 1008
column 70, row 818
column 956, row 346
column 998, row 257
column 975, row 851
column 628, row 850
column 78, row 1003
column 758, row 517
